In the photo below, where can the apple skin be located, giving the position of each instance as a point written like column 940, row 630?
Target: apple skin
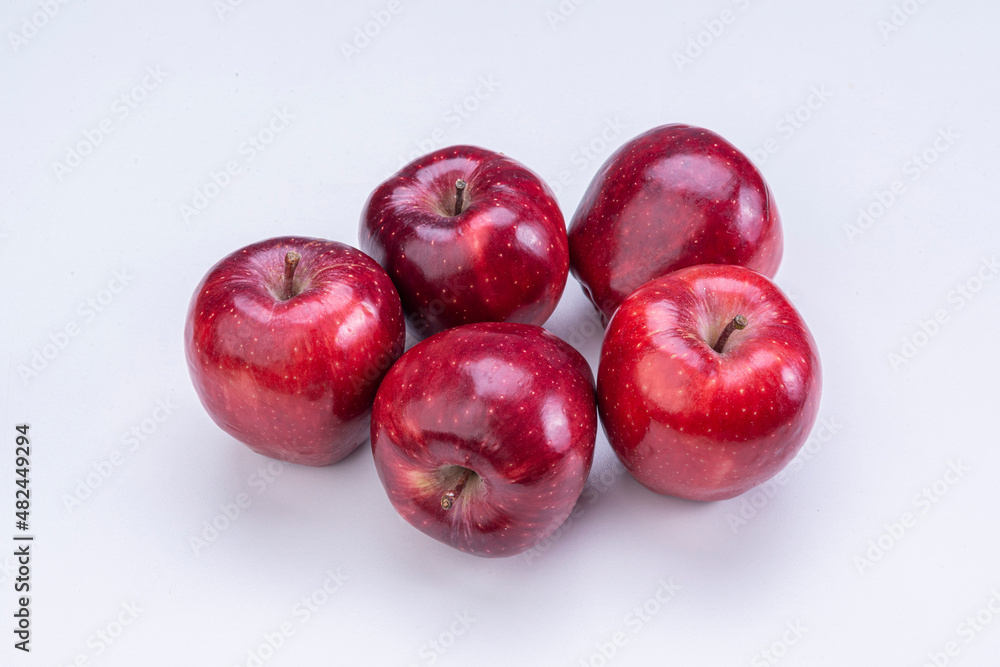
column 688, row 421
column 672, row 197
column 293, row 379
column 510, row 402
column 504, row 258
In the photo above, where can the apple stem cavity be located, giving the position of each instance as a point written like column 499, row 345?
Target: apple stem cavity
column 459, row 198
column 291, row 263
column 739, row 322
column 448, row 499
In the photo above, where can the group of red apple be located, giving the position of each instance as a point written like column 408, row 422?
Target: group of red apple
column 483, row 433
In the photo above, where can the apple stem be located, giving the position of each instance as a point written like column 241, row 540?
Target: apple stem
column 738, row 322
column 291, row 262
column 448, row 499
column 459, row 196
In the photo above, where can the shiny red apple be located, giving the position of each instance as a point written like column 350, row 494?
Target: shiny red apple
column 286, row 342
column 468, row 235
column 709, row 382
column 672, row 197
column 483, row 435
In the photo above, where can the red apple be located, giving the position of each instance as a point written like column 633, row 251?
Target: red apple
column 673, row 197
column 709, row 382
column 286, row 342
column 483, row 435
column 468, row 235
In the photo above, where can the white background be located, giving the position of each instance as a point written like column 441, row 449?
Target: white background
column 566, row 87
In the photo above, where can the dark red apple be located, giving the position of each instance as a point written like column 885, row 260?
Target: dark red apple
column 483, row 435
column 468, row 235
column 673, row 197
column 286, row 342
column 709, row 382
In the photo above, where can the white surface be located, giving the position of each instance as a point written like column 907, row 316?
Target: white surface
column 553, row 88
